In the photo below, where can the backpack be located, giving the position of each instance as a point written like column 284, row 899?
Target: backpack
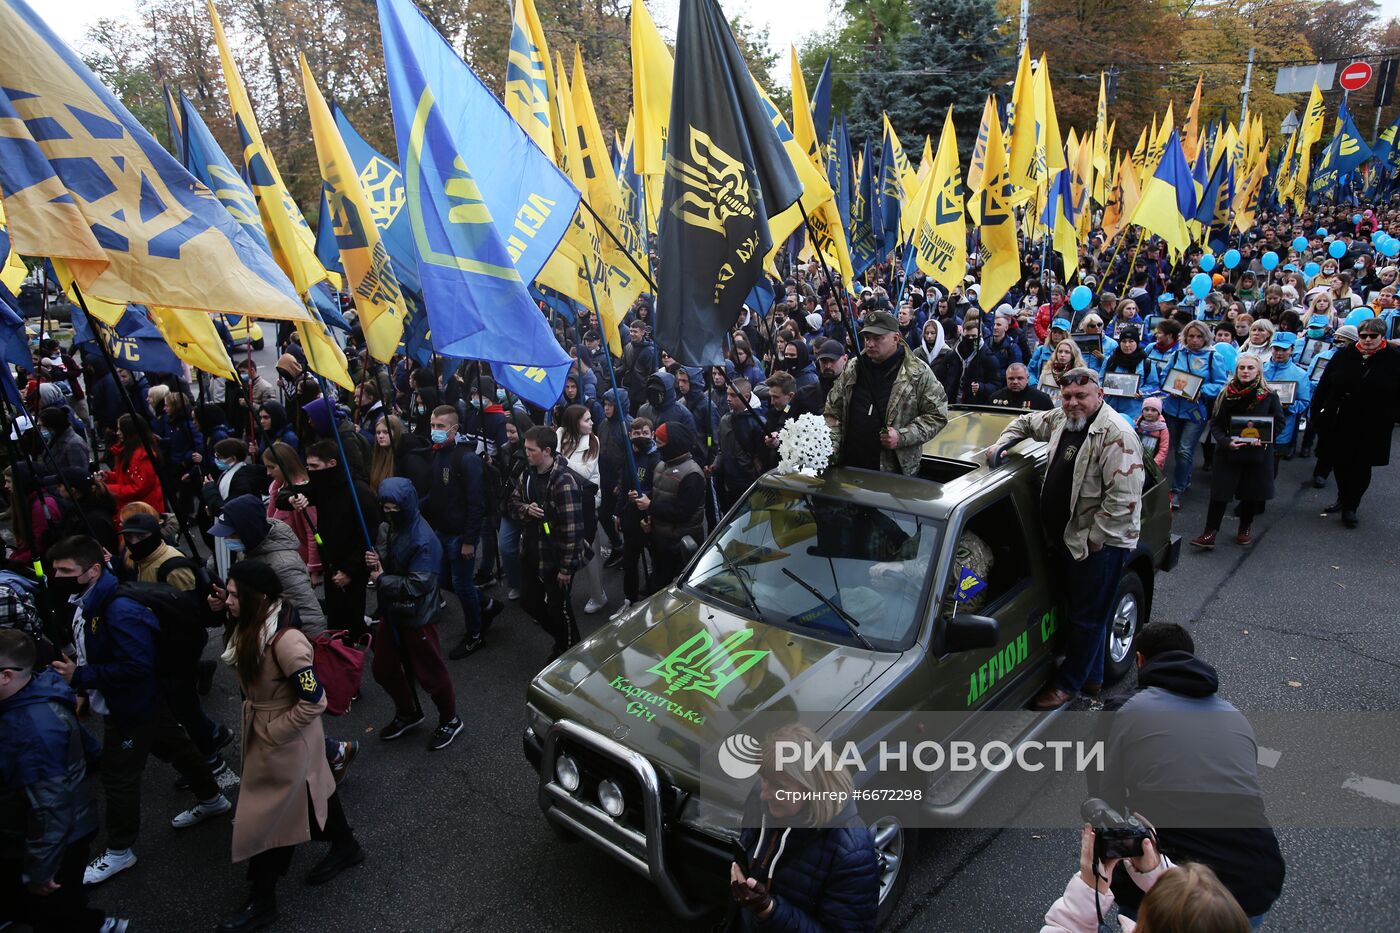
column 202, row 584
column 339, row 663
column 180, row 640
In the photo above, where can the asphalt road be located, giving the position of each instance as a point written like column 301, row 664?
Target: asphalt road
column 456, row 842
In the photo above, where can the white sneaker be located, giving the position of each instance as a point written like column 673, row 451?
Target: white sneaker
column 115, row 925
column 201, row 811
column 514, row 594
column 108, row 864
column 593, row 605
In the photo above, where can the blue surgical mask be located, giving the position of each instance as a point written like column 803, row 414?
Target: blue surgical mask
column 220, row 465
column 500, row 395
column 46, row 434
column 438, row 437
column 234, row 544
column 478, row 404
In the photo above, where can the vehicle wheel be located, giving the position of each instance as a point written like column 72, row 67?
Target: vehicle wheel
column 895, row 847
column 257, row 345
column 1129, row 615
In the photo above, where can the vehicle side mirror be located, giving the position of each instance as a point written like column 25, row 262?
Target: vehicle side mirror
column 966, row 631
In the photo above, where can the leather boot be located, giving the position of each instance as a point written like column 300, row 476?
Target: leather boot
column 258, row 913
column 1206, row 541
column 339, row 858
column 1244, row 538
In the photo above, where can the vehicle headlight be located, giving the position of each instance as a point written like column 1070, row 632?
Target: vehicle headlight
column 566, row 773
column 610, row 798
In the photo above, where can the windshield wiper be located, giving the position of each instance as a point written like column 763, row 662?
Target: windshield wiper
column 738, row 574
column 851, row 624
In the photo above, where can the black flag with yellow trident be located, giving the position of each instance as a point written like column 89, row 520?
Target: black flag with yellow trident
column 726, row 173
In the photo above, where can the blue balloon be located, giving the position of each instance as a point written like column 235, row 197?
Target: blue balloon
column 1311, row 270
column 1200, row 284
column 1337, row 250
column 1081, row 296
column 1321, row 231
column 1269, row 260
column 1356, row 219
column 1359, row 315
column 1392, row 247
column 1300, row 244
column 1290, row 267
column 1207, row 262
column 1232, row 258
column 1377, row 236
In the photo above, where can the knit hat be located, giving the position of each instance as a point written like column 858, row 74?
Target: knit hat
column 674, row 439
column 1154, row 402
column 256, row 575
column 1347, row 332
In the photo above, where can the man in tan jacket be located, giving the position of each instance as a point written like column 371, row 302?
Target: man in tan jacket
column 1090, row 508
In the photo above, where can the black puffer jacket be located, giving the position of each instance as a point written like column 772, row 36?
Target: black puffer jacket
column 820, row 879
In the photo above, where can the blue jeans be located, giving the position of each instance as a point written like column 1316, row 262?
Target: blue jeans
column 459, row 575
column 1186, row 435
column 1093, row 582
column 508, row 541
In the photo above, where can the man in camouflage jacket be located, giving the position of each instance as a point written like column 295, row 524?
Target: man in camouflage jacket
column 885, row 404
column 1091, row 512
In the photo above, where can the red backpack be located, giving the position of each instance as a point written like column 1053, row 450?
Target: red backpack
column 340, row 665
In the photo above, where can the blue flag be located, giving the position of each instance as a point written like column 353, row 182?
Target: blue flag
column 383, row 185
column 839, row 164
column 327, row 249
column 14, row 344
column 762, row 296
column 417, row 340
column 475, row 242
column 860, row 231
column 135, row 343
column 821, row 98
column 969, row 585
column 1210, row 194
column 889, row 198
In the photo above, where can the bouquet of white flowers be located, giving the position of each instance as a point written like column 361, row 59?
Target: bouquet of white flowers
column 804, row 446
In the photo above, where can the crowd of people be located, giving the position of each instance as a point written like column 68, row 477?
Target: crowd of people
column 148, row 509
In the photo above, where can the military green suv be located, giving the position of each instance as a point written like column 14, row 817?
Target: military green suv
column 839, row 593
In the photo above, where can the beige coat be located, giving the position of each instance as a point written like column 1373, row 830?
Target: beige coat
column 284, row 754
column 1106, row 493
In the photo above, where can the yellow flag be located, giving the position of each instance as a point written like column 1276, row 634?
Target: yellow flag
column 12, row 270
column 816, row 190
column 108, row 312
column 1050, row 123
column 1001, row 261
column 293, row 244
column 323, row 355
column 803, row 129
column 925, row 161
column 1158, row 141
column 1080, row 187
column 1191, row 132
column 941, row 236
column 1101, row 130
column 1247, row 197
column 369, row 273
column 528, row 84
column 1309, row 132
column 1123, row 201
column 1283, row 181
column 605, row 196
column 1140, row 150
column 193, row 338
column 652, row 70
column 1024, row 132
column 977, row 165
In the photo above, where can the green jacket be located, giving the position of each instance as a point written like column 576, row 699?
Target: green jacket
column 918, row 408
column 1105, row 499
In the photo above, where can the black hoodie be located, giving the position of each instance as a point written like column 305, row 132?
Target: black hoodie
column 1176, row 752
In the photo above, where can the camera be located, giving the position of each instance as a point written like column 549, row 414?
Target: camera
column 1115, row 836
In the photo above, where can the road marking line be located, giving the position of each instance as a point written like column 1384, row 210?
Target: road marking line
column 1384, row 791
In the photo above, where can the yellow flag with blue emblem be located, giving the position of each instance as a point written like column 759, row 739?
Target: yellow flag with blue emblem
column 192, row 336
column 293, row 242
column 529, row 90
column 940, row 233
column 369, row 273
column 84, row 181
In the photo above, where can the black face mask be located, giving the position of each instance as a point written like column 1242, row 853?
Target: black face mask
column 65, row 588
column 969, row 343
column 641, row 444
column 144, row 548
column 399, row 520
column 656, row 397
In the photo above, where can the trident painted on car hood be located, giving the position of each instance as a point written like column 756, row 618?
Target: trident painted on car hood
column 678, row 675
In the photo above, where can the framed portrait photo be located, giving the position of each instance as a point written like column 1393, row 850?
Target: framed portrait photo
column 1089, row 343
column 1121, row 385
column 1252, row 429
column 1311, row 348
column 1315, row 374
column 1287, row 391
column 1183, row 385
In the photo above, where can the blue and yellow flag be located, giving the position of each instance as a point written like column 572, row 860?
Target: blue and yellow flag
column 369, row 273
column 382, row 183
column 83, row 180
column 860, row 232
column 477, row 303
column 529, row 90
column 1168, row 198
column 1385, row 151
column 134, row 342
column 821, row 97
column 1060, row 220
column 529, row 200
column 1343, row 155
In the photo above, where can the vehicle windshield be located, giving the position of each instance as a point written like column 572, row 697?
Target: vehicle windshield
column 871, row 564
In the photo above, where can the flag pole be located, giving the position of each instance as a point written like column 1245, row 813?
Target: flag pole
column 626, row 252
column 831, row 280
column 131, row 410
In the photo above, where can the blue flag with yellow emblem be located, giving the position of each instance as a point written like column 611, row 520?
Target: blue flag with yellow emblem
column 477, row 304
column 135, row 343
column 383, row 184
column 84, row 181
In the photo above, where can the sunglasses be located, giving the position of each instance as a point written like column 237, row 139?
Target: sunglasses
column 1078, row 380
column 1372, row 336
